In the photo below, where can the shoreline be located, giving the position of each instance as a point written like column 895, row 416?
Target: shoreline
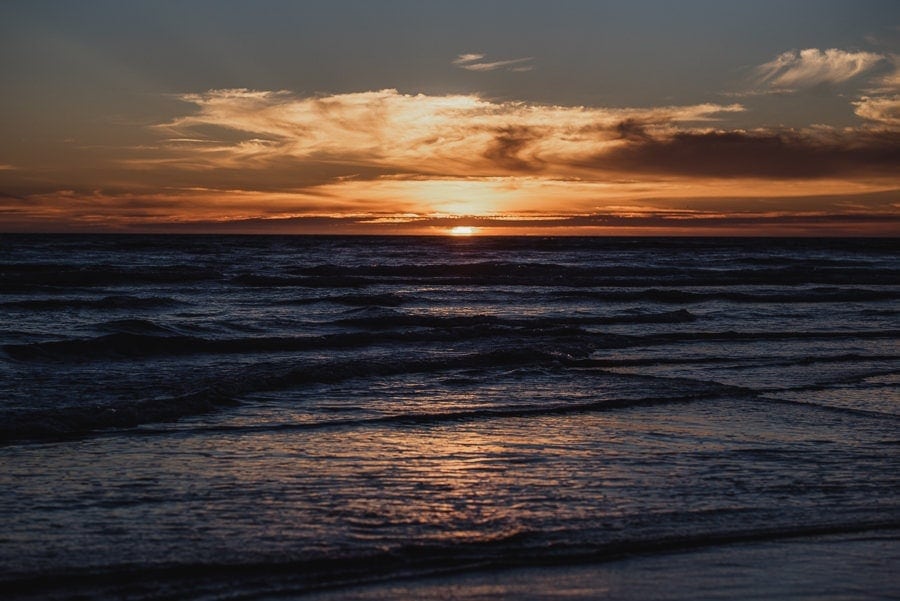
column 832, row 567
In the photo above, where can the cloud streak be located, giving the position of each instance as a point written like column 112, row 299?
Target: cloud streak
column 476, row 62
column 251, row 212
column 465, row 135
column 812, row 67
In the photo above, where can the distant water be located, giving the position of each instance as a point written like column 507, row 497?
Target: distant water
column 222, row 417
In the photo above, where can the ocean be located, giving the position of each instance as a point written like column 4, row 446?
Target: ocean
column 327, row 417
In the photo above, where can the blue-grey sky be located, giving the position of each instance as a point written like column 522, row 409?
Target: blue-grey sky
column 85, row 83
column 585, row 52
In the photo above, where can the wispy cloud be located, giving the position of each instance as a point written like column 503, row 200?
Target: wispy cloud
column 476, row 62
column 455, row 135
column 463, row 59
column 464, row 135
column 811, row 67
column 884, row 110
column 889, row 81
column 7, row 167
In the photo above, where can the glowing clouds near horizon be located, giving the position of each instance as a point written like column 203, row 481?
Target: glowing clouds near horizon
column 386, row 161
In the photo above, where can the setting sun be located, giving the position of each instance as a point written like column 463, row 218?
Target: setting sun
column 462, row 230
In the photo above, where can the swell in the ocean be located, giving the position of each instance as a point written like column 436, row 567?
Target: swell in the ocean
column 211, row 417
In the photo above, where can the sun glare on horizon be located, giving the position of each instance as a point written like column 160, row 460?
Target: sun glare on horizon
column 462, row 230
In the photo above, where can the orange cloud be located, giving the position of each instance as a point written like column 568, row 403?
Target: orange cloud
column 881, row 109
column 457, row 135
column 466, row 135
column 372, row 160
column 423, row 205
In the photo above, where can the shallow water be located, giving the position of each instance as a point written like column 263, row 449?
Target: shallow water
column 832, row 568
column 200, row 417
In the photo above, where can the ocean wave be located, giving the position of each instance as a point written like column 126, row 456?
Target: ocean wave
column 279, row 281
column 24, row 277
column 129, row 345
column 107, row 302
column 817, row 262
column 279, row 577
column 542, row 353
column 385, row 319
column 732, row 335
column 564, row 276
column 228, row 389
column 67, row 422
column 880, row 415
column 352, row 300
column 740, row 362
column 553, row 274
column 118, row 345
column 423, row 419
column 675, row 296
column 147, row 342
column 138, row 326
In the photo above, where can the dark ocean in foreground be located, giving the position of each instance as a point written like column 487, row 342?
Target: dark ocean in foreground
column 217, row 417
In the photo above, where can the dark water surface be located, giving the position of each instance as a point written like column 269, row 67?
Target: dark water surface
column 260, row 417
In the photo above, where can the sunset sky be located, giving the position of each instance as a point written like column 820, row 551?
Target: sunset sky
column 570, row 117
